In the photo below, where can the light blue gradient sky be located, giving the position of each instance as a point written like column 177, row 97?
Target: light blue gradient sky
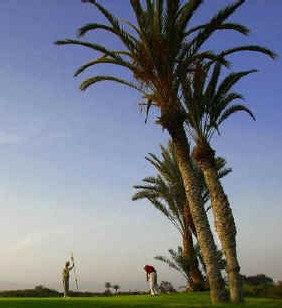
column 68, row 159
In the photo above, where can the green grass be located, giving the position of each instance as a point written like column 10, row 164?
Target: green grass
column 197, row 300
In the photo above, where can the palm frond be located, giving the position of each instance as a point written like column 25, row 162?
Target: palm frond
column 221, row 167
column 212, row 84
column 167, row 261
column 96, row 47
column 93, row 80
column 178, row 261
column 214, row 24
column 235, row 108
column 94, row 26
column 131, row 25
column 187, row 12
column 226, row 26
column 229, row 82
column 255, row 48
column 127, row 39
column 103, row 60
column 139, row 13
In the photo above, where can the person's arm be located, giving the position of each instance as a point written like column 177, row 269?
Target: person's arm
column 71, row 267
column 147, row 276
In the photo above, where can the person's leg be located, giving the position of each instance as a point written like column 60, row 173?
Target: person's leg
column 151, row 280
column 66, row 287
column 64, row 284
column 155, row 289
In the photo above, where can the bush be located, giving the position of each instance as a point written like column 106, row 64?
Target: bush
column 258, row 280
column 266, row 287
column 38, row 291
column 166, row 287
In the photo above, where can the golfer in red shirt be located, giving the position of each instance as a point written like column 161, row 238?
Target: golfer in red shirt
column 151, row 275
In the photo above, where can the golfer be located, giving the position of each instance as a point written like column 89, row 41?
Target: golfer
column 66, row 276
column 151, row 275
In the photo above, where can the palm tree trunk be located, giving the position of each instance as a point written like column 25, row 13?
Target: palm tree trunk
column 198, row 282
column 204, row 234
column 226, row 230
column 223, row 219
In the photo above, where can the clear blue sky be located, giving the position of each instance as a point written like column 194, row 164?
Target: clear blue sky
column 68, row 160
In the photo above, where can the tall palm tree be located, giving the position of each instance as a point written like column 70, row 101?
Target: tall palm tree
column 167, row 193
column 157, row 50
column 209, row 100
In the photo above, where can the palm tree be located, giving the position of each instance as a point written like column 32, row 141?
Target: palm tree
column 209, row 103
column 158, row 50
column 108, row 286
column 116, row 287
column 180, row 263
column 183, row 264
column 167, row 193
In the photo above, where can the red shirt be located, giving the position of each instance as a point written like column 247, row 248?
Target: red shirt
column 149, row 269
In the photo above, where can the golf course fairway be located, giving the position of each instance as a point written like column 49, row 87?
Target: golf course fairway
column 199, row 300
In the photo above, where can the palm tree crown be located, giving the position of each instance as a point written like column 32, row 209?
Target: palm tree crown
column 159, row 49
column 166, row 190
column 209, row 100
